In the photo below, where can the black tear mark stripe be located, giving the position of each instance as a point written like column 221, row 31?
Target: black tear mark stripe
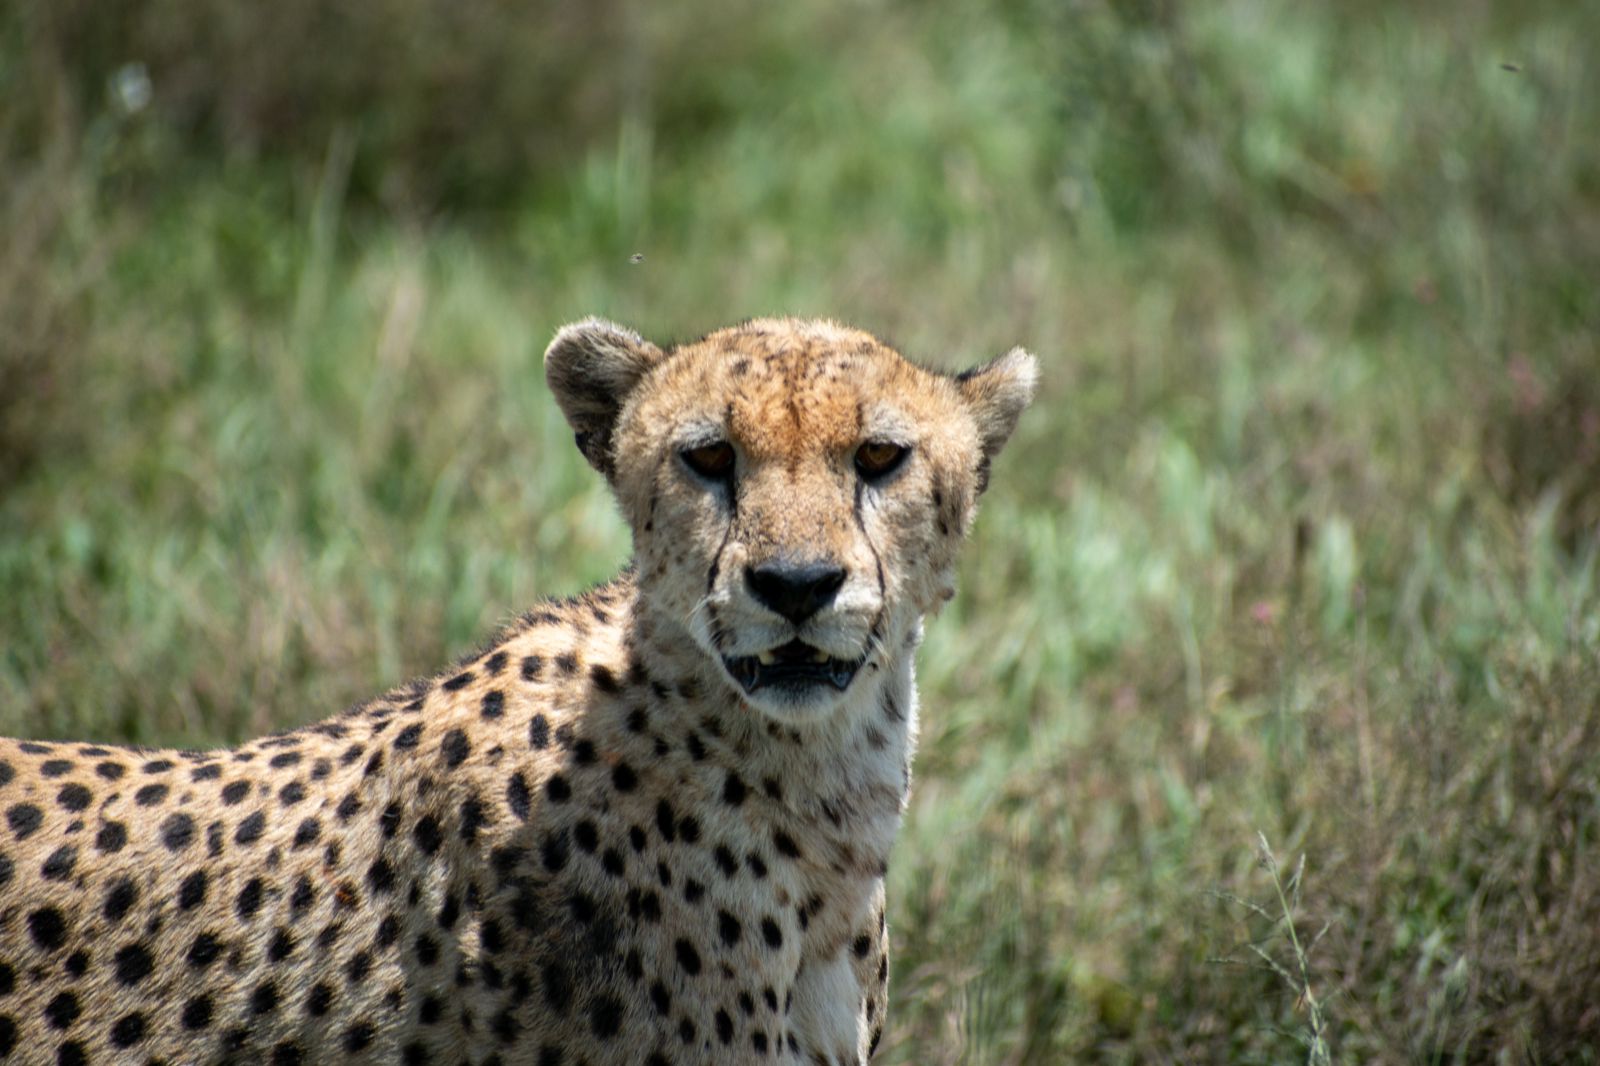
column 877, row 562
column 727, row 535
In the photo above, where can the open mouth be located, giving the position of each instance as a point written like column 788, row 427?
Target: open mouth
column 791, row 665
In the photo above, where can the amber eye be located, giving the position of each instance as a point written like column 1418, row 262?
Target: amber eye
column 714, row 460
column 878, row 458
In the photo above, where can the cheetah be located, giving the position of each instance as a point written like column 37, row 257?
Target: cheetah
column 647, row 825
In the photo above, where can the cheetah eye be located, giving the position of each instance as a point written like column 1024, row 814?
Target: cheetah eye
column 714, row 460
column 877, row 459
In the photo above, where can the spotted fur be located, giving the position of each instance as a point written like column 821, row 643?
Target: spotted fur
column 588, row 843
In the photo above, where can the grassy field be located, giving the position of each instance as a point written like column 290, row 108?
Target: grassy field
column 1266, row 727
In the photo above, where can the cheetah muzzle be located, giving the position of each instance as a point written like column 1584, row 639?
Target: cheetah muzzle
column 647, row 825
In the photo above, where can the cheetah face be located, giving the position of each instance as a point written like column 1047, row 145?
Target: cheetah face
column 797, row 491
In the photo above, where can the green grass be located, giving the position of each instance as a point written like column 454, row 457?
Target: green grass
column 1300, row 539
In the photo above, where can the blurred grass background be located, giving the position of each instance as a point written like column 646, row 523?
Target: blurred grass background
column 1301, row 538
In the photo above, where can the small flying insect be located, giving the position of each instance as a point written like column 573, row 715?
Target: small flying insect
column 636, row 257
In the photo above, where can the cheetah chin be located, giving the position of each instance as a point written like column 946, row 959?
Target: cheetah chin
column 646, row 826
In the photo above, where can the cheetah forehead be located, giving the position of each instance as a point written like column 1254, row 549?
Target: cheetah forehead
column 783, row 387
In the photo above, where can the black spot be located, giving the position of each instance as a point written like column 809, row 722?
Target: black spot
column 197, row 1013
column 666, row 821
column 8, row 1034
column 358, row 1037
column 567, row 663
column 250, row 829
column 587, row 837
column 725, row 860
column 347, row 807
column 284, row 758
column 693, row 890
column 287, row 1054
column 862, row 945
column 771, row 933
column 757, row 865
column 149, row 795
column 389, row 820
column 307, row 833
column 688, row 957
column 605, row 1017
column 264, row 1000
column 59, row 864
column 689, row 829
column 120, row 898
column 474, row 816
column 291, row 793
column 623, row 779
column 539, row 732
column 209, row 772
column 427, row 834
column 375, row 763
column 408, row 737
column 388, row 931
column 380, row 875
column 55, row 767
column 583, row 752
column 319, row 999
column 724, row 1027
column 431, row 1011
column 728, row 927
column 48, row 928
column 128, row 1030
column 557, row 986
column 71, row 1053
column 234, row 791
column 77, row 964
column 449, row 912
column 177, row 831
column 455, row 747
column 113, row 836
column 460, row 681
column 359, row 966
column 733, row 790
column 531, row 665
column 493, row 705
column 304, row 895
column 76, row 797
column 133, row 963
column 660, row 998
column 205, row 950
column 604, row 679
column 557, row 789
column 612, row 862
column 696, row 746
column 249, row 900
column 785, row 844
column 62, row 1011
column 282, row 946
column 554, row 851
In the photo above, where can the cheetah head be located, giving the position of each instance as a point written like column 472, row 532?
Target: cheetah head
column 797, row 490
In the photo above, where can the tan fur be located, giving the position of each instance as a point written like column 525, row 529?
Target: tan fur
column 585, row 844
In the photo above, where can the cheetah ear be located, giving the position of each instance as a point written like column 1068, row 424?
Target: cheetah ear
column 592, row 366
column 997, row 393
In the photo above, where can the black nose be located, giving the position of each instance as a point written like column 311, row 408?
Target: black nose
column 795, row 591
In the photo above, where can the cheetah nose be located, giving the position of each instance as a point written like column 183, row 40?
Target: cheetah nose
column 795, row 590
